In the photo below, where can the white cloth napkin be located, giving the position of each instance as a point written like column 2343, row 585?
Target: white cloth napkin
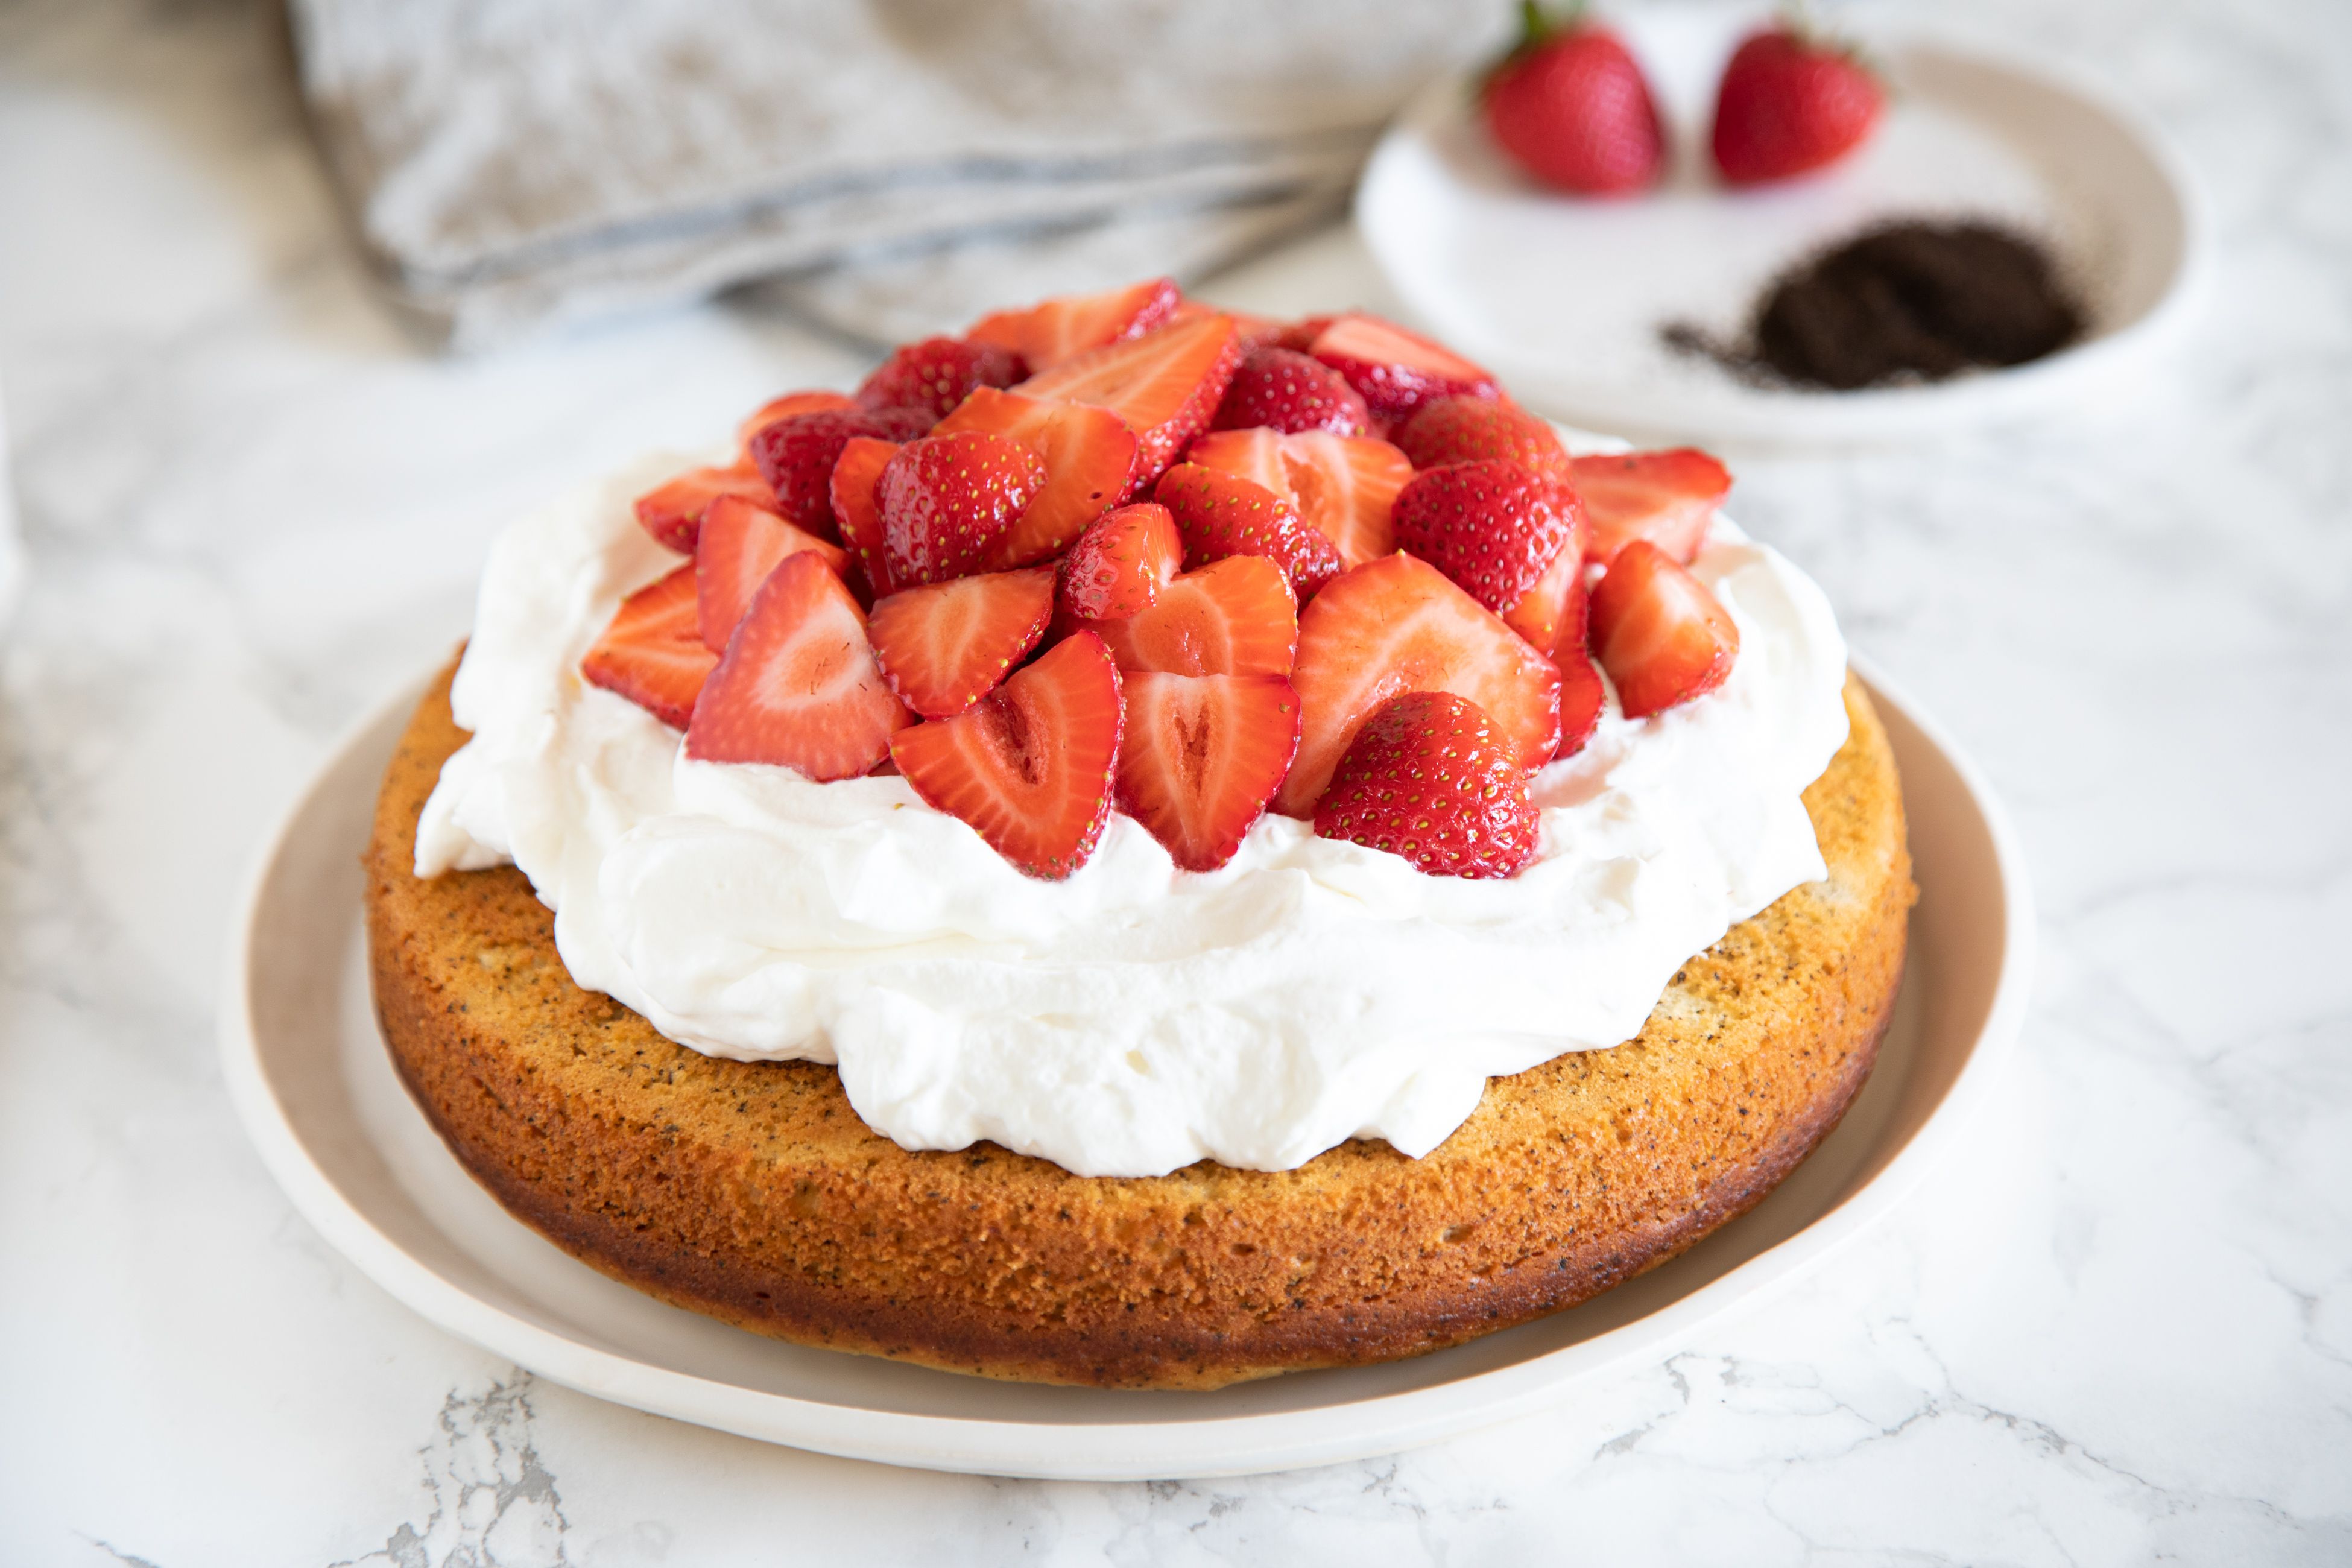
column 901, row 163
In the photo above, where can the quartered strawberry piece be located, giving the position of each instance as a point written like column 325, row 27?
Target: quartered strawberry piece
column 796, row 456
column 948, row 502
column 1494, row 527
column 1285, row 391
column 1344, row 486
column 1667, row 497
column 672, row 512
column 1397, row 625
column 1431, row 777
column 1582, row 695
column 1222, row 514
column 1089, row 458
column 938, row 374
column 798, row 686
column 1029, row 767
column 741, row 545
column 1236, row 616
column 855, row 511
column 1202, row 756
column 1662, row 637
column 1048, row 333
column 651, row 651
column 1397, row 371
column 784, row 407
column 1120, row 563
column 944, row 645
column 1165, row 385
column 1540, row 614
column 1467, row 429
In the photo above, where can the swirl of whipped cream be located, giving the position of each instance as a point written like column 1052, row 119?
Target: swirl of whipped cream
column 1135, row 1017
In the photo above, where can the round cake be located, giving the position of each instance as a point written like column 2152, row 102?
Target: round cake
column 751, row 1191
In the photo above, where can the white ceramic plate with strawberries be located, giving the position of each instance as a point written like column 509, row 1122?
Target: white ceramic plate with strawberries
column 1566, row 296
column 312, row 1081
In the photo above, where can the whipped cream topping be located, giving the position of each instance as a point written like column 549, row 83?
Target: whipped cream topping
column 1135, row 1017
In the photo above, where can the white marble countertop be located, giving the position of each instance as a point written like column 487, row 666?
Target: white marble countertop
column 2115, row 1328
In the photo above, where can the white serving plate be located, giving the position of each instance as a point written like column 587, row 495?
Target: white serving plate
column 309, row 1075
column 1563, row 297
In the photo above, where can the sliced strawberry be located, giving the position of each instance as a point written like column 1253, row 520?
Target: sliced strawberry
column 1235, row 616
column 1165, row 385
column 1667, row 498
column 1029, row 766
column 1431, row 777
column 672, row 512
column 857, row 512
column 1467, row 429
column 1255, row 455
column 1120, row 563
column 1202, row 756
column 1284, row 390
column 948, row 500
column 1395, row 370
column 1582, row 695
column 1541, row 612
column 741, row 545
column 1661, row 636
column 1223, row 514
column 946, row 644
column 798, row 686
column 1396, row 624
column 1347, row 487
column 938, row 374
column 1089, row 458
column 1301, row 334
column 1254, row 332
column 652, row 652
column 1054, row 331
column 784, row 407
column 1494, row 527
column 796, row 456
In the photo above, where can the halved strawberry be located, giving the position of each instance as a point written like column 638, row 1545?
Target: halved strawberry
column 1285, row 391
column 1048, row 333
column 1661, row 636
column 1165, row 385
column 672, row 512
column 651, row 651
column 1202, row 756
column 1393, row 626
column 1120, row 563
column 1347, row 487
column 1255, row 455
column 1494, row 527
column 1431, row 777
column 798, row 686
column 1541, row 612
column 741, row 545
column 1235, row 616
column 948, row 500
column 1223, row 514
column 1397, row 371
column 944, row 645
column 784, row 407
column 1089, row 458
column 857, row 512
column 1467, row 429
column 938, row 374
column 796, row 455
column 1301, row 333
column 1667, row 498
column 1582, row 695
column 1029, row 766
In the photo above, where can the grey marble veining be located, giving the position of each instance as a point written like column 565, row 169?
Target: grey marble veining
column 2115, row 1328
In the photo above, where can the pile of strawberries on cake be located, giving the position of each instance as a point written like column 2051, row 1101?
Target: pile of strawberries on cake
column 1127, row 548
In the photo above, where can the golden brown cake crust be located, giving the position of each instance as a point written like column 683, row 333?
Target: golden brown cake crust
column 750, row 1191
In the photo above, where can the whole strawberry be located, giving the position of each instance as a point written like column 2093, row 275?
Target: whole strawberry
column 1493, row 526
column 1429, row 777
column 1572, row 107
column 1283, row 389
column 1790, row 102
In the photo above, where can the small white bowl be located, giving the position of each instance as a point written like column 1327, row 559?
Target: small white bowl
column 1564, row 297
column 311, row 1079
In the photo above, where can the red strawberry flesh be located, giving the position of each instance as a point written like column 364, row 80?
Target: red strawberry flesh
column 1117, row 566
column 1235, row 616
column 739, row 545
column 1397, row 371
column 1202, row 756
column 1089, row 456
column 943, row 646
column 1165, row 385
column 1222, row 514
column 1668, row 497
column 651, row 652
column 1054, row 331
column 1662, row 637
column 672, row 512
